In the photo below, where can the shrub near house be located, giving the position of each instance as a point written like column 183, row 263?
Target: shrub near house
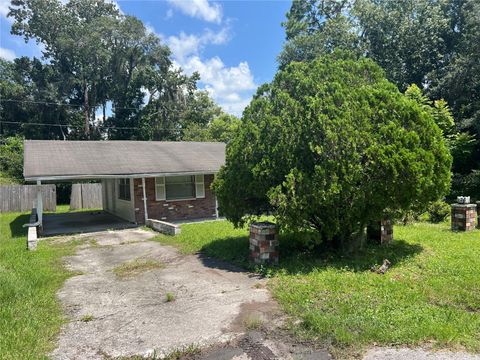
column 330, row 146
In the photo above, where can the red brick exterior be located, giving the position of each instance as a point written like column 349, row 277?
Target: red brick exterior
column 172, row 210
column 463, row 217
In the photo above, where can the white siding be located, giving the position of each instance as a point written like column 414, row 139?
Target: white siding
column 112, row 204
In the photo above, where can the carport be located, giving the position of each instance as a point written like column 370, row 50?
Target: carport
column 82, row 222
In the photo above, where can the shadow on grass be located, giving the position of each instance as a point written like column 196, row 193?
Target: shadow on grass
column 16, row 226
column 294, row 258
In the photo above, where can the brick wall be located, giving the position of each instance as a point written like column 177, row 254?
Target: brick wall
column 172, row 210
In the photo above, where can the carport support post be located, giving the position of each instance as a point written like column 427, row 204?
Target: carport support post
column 144, row 200
column 39, row 203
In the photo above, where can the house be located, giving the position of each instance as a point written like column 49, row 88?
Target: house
column 141, row 180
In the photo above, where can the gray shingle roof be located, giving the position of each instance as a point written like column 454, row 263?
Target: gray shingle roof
column 45, row 159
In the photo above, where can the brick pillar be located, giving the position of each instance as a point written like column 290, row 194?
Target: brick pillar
column 386, row 229
column 381, row 231
column 263, row 243
column 478, row 215
column 463, row 217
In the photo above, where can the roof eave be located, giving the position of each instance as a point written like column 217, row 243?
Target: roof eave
column 114, row 176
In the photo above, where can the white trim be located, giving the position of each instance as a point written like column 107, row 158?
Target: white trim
column 199, row 184
column 39, row 205
column 175, row 200
column 157, row 198
column 125, row 176
column 144, row 200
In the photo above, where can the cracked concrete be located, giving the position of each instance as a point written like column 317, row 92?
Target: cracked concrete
column 132, row 317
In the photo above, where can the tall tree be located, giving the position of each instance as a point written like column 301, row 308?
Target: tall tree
column 431, row 43
column 104, row 59
column 74, row 38
column 331, row 146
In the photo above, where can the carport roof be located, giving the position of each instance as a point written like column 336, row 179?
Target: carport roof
column 64, row 160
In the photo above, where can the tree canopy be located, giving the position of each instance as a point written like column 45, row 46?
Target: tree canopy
column 331, row 145
column 431, row 43
column 102, row 75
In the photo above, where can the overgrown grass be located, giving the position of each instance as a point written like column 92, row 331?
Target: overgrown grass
column 214, row 238
column 136, row 267
column 30, row 314
column 431, row 293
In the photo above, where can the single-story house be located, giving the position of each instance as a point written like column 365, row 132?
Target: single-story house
column 141, row 180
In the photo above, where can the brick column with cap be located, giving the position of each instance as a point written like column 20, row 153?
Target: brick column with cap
column 381, row 231
column 464, row 217
column 263, row 243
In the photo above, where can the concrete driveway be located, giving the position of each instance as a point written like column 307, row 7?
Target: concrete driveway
column 112, row 316
column 82, row 222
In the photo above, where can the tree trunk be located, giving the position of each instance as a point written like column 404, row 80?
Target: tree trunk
column 86, row 110
column 104, row 112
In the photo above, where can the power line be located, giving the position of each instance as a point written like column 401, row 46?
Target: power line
column 56, row 103
column 72, row 105
column 81, row 126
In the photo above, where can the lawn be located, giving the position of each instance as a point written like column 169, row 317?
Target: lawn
column 431, row 294
column 30, row 314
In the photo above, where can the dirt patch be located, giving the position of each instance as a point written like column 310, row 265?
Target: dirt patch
column 263, row 314
column 262, row 345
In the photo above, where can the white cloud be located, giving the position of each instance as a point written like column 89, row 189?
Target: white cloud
column 230, row 87
column 202, row 9
column 169, row 14
column 185, row 45
column 7, row 54
column 4, row 4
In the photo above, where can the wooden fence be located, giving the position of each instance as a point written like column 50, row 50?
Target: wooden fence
column 23, row 197
column 86, row 196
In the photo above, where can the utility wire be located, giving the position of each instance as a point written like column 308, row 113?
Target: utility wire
column 72, row 105
column 81, row 126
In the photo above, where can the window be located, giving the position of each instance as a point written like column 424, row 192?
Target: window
column 200, row 186
column 180, row 187
column 124, row 189
column 160, row 188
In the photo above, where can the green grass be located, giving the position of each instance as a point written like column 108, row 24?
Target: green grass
column 213, row 238
column 136, row 267
column 30, row 313
column 5, row 180
column 65, row 208
column 87, row 318
column 431, row 293
column 169, row 297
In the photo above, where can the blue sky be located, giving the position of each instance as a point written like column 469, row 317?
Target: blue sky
column 232, row 44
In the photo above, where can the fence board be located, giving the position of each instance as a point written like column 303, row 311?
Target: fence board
column 86, row 196
column 23, row 197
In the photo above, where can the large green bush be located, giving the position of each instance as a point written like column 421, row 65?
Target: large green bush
column 438, row 211
column 330, row 146
column 11, row 158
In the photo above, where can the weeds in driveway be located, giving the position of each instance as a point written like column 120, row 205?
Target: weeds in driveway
column 87, row 318
column 169, row 297
column 253, row 322
column 185, row 352
column 136, row 267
